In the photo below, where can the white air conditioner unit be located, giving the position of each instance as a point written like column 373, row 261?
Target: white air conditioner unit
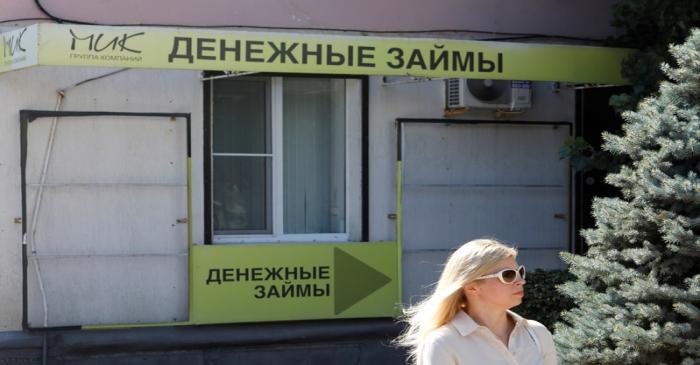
column 488, row 94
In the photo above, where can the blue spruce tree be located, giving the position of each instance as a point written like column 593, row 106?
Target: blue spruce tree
column 637, row 291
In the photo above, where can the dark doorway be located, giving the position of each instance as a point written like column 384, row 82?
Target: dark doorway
column 594, row 115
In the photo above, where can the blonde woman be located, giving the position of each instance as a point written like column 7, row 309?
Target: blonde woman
column 467, row 319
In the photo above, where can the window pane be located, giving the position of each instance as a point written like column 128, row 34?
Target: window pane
column 314, row 155
column 241, row 196
column 241, row 115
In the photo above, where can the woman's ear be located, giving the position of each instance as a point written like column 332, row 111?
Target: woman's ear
column 470, row 288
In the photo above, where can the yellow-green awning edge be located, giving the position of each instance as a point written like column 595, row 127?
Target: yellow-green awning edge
column 49, row 44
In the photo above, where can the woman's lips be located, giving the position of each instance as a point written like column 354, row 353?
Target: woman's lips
column 520, row 293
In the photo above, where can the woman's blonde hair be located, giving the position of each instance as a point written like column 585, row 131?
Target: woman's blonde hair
column 475, row 258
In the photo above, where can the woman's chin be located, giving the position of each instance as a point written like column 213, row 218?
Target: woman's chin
column 516, row 302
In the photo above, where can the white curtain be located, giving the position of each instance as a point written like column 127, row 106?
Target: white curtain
column 314, row 155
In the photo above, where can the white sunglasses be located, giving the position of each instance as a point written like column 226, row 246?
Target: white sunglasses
column 507, row 276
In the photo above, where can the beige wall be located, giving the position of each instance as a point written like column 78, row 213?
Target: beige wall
column 575, row 18
column 181, row 91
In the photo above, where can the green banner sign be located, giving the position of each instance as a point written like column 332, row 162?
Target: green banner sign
column 224, row 50
column 273, row 282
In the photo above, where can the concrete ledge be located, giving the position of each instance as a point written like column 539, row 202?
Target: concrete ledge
column 68, row 341
column 20, row 340
column 352, row 341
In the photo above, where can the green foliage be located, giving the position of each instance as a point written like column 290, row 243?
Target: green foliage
column 649, row 26
column 583, row 157
column 542, row 301
column 578, row 151
column 637, row 289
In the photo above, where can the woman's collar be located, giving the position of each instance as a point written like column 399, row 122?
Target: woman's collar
column 465, row 325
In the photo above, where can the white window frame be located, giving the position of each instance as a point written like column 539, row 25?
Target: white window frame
column 352, row 153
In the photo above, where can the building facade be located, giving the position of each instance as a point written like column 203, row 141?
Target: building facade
column 195, row 194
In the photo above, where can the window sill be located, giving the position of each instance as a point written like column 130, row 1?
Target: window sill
column 290, row 238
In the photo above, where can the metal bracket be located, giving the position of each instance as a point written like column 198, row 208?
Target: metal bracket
column 227, row 74
column 400, row 80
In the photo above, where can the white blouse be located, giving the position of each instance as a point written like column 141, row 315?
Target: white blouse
column 464, row 342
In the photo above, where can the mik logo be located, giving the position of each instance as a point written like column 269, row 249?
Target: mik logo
column 99, row 43
column 13, row 44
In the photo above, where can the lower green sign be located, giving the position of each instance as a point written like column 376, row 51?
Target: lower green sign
column 276, row 282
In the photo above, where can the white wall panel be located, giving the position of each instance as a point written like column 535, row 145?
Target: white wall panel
column 103, row 149
column 442, row 218
column 425, row 100
column 116, row 189
column 484, row 154
column 467, row 181
column 108, row 290
column 120, row 219
column 136, row 271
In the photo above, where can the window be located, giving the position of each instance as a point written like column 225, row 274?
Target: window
column 242, row 157
column 279, row 155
